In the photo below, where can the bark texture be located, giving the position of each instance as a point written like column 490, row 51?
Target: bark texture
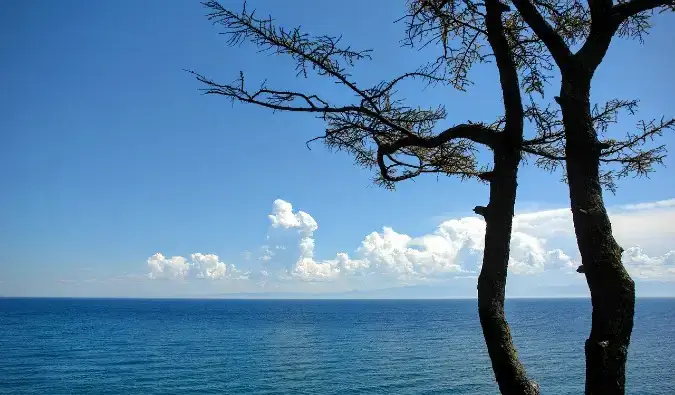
column 509, row 371
column 612, row 289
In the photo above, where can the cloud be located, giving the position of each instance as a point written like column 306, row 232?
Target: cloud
column 643, row 266
column 283, row 217
column 162, row 267
column 455, row 247
column 205, row 266
column 305, row 268
column 669, row 203
column 543, row 247
column 208, row 266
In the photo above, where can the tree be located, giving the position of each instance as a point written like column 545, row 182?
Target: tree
column 541, row 34
column 399, row 141
column 560, row 25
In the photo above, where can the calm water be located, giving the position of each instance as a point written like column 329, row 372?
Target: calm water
column 99, row 346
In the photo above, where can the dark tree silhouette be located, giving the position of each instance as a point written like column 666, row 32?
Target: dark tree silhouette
column 542, row 34
column 560, row 25
column 402, row 142
column 399, row 142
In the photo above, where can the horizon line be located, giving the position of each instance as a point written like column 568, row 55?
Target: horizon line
column 306, row 298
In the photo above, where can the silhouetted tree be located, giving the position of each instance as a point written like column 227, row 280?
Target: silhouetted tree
column 542, row 34
column 561, row 25
column 400, row 142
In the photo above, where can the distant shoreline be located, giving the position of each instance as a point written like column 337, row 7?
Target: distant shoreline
column 272, row 299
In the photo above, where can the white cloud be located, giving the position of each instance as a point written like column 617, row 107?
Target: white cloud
column 200, row 265
column 306, row 268
column 455, row 248
column 162, row 267
column 643, row 266
column 283, row 217
column 668, row 203
column 542, row 247
column 207, row 266
column 309, row 270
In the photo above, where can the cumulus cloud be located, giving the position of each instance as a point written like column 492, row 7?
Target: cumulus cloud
column 206, row 266
column 306, row 267
column 455, row 247
column 542, row 243
column 162, row 267
column 283, row 217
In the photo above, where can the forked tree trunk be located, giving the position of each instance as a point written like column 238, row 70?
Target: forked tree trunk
column 509, row 372
column 612, row 289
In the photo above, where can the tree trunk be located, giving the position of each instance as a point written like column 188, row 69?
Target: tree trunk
column 509, row 372
column 612, row 289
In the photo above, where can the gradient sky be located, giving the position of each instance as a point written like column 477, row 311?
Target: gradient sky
column 110, row 155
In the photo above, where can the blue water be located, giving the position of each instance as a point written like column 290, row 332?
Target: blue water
column 103, row 346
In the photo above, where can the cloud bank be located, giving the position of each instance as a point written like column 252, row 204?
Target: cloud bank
column 542, row 244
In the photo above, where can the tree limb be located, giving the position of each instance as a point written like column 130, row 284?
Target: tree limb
column 554, row 42
column 626, row 9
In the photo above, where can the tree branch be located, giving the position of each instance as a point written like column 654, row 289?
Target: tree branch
column 457, row 26
column 626, row 9
column 471, row 131
column 599, row 8
column 508, row 75
column 553, row 41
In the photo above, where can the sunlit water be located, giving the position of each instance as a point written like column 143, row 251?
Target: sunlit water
column 99, row 346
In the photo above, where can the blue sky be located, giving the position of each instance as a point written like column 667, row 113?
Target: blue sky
column 111, row 155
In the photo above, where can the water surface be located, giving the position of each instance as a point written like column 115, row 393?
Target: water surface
column 125, row 346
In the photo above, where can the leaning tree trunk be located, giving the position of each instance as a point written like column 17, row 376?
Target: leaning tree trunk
column 509, row 372
column 612, row 289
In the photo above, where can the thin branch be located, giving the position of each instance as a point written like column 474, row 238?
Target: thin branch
column 626, row 9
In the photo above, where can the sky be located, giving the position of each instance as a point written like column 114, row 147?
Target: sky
column 120, row 179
